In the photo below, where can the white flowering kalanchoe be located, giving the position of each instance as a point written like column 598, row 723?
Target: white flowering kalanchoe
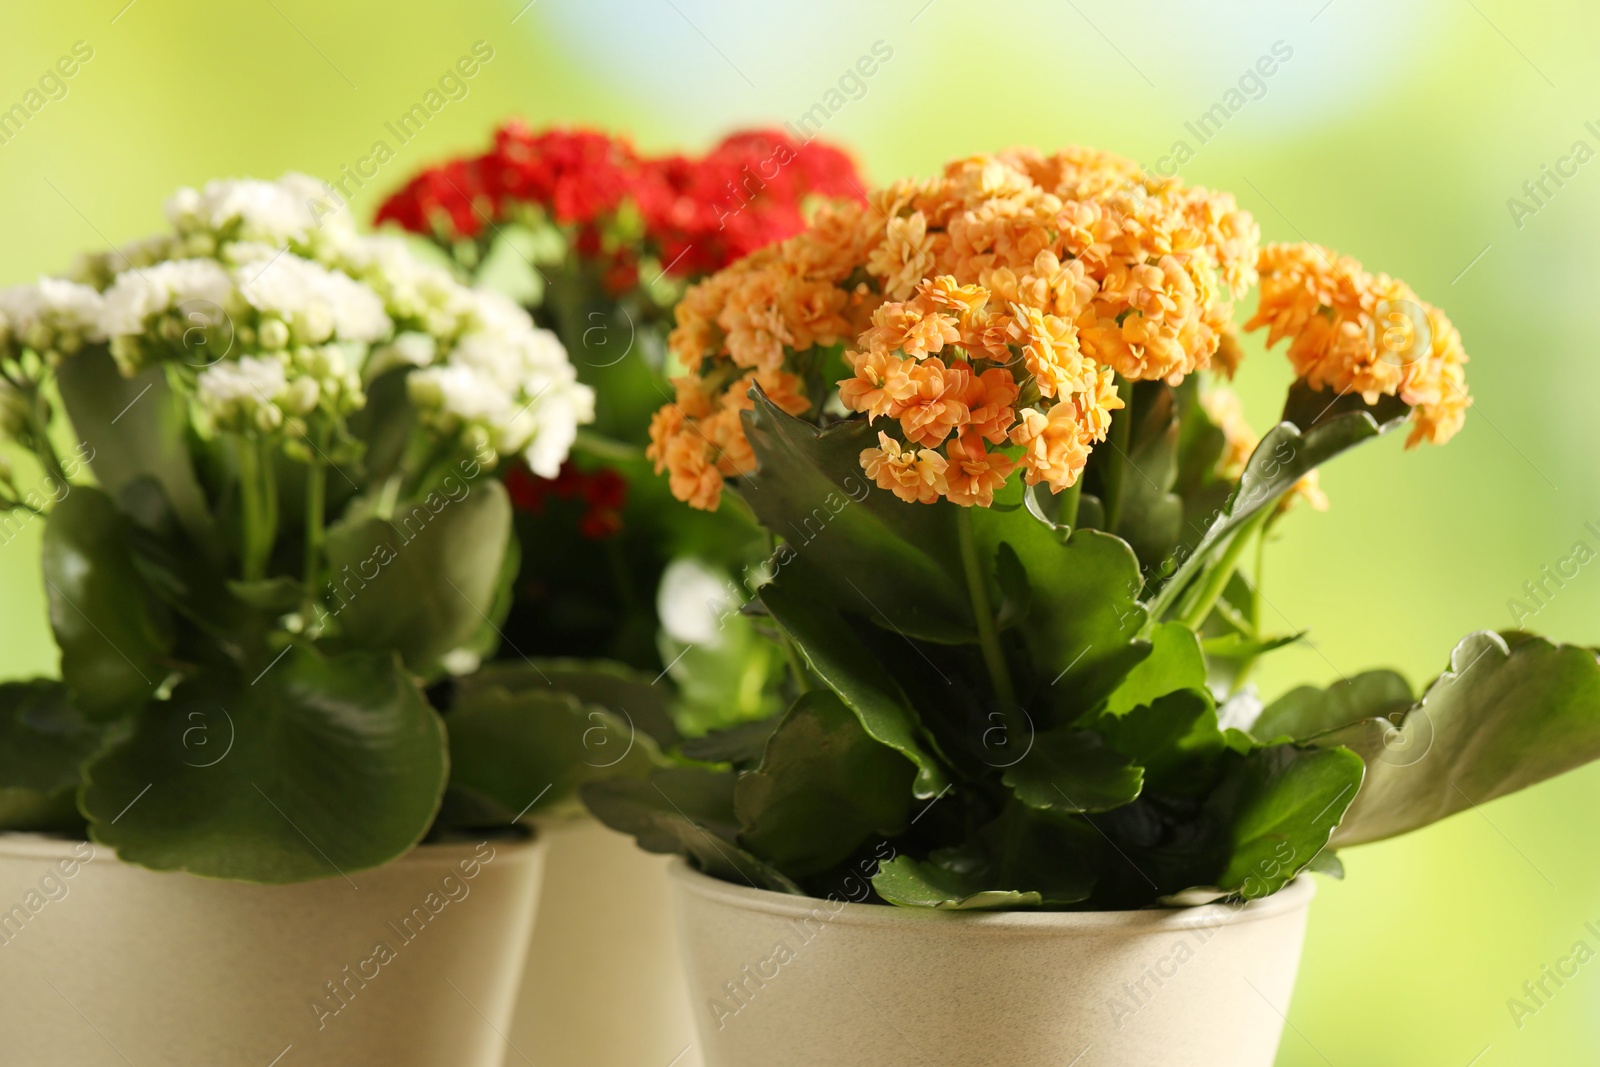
column 276, row 309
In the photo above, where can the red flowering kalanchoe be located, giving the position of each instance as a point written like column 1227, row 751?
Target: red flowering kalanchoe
column 694, row 215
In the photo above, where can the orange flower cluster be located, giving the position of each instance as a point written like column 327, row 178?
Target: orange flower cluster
column 989, row 312
column 1369, row 334
column 740, row 327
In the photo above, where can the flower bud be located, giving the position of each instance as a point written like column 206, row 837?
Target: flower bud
column 274, row 334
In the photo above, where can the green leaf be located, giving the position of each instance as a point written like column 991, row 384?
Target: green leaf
column 916, row 884
column 318, row 768
column 1307, row 711
column 685, row 811
column 1175, row 738
column 1282, row 805
column 1152, row 514
column 1074, row 771
column 848, row 541
column 135, row 427
column 1307, row 407
column 849, row 669
column 1175, row 662
column 631, row 695
column 1085, row 613
column 1503, row 717
column 423, row 582
column 824, row 787
column 1016, row 596
column 530, row 749
column 43, row 743
column 1284, row 456
column 1023, row 858
column 741, row 745
column 110, row 627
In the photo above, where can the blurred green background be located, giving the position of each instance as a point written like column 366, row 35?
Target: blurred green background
column 1394, row 131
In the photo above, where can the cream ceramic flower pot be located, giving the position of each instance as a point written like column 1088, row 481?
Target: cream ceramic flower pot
column 603, row 985
column 789, row 981
column 414, row 964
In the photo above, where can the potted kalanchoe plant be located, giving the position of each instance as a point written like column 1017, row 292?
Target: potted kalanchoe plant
column 277, row 537
column 598, row 241
column 1022, row 763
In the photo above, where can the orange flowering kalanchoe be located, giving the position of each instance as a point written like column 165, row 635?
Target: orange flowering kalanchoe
column 989, row 314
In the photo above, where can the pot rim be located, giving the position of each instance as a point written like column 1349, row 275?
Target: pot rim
column 24, row 844
column 1296, row 896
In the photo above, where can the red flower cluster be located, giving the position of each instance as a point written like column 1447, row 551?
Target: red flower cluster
column 603, row 493
column 699, row 214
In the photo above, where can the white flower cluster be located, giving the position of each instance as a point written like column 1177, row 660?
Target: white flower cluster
column 281, row 310
column 53, row 317
column 506, row 386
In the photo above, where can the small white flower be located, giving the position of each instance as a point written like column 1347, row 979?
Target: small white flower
column 52, row 316
column 280, row 213
column 317, row 304
column 243, row 392
column 139, row 295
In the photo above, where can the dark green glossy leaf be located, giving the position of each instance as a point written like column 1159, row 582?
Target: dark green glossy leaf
column 132, row 428
column 529, row 750
column 1175, row 662
column 1503, row 717
column 110, row 627
column 1307, row 711
column 1074, row 771
column 1085, row 613
column 422, row 582
column 1175, row 738
column 320, row 767
column 1282, row 805
column 683, row 810
column 1284, row 456
column 860, row 680
column 43, row 743
column 631, row 695
column 824, row 787
column 920, row 884
column 740, row 745
column 1023, row 858
column 847, row 541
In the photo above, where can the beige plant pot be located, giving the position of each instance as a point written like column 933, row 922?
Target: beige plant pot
column 789, row 981
column 415, row 964
column 603, row 986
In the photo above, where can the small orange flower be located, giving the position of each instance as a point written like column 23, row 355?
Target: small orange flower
column 914, row 476
column 1055, row 446
column 973, row 473
column 881, row 386
column 990, row 400
column 934, row 410
column 692, row 476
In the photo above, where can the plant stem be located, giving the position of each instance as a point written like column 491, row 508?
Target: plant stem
column 601, row 447
column 1243, row 673
column 258, row 494
column 316, row 508
column 39, row 430
column 1070, row 496
column 978, row 589
column 249, row 508
column 1216, row 579
column 1121, row 435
